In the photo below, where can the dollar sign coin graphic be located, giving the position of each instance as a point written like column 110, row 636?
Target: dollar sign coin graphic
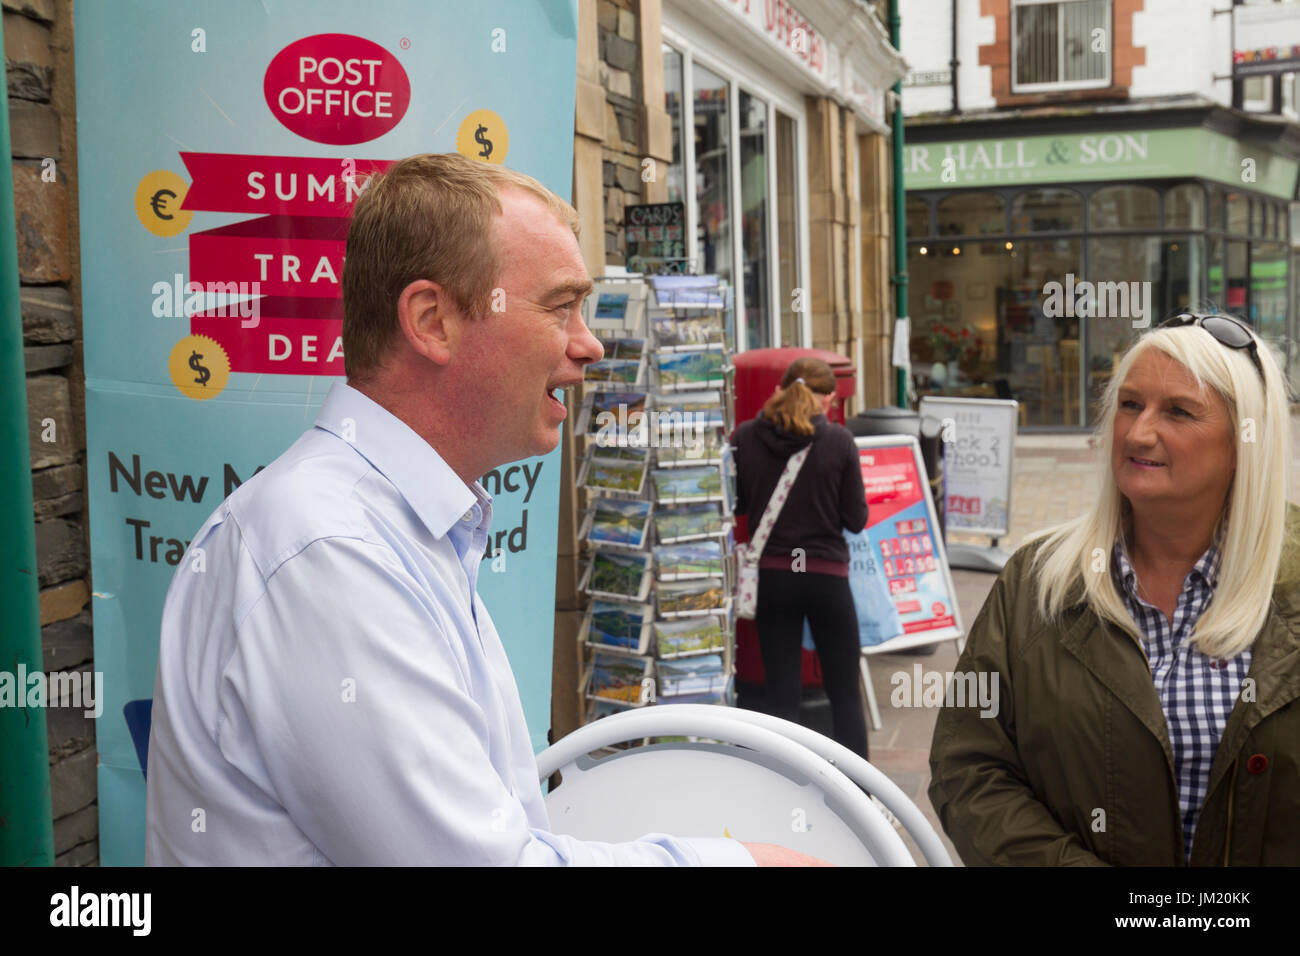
column 482, row 135
column 158, row 201
column 486, row 151
column 204, row 372
column 199, row 367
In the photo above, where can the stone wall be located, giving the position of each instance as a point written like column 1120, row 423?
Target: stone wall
column 621, row 154
column 42, row 128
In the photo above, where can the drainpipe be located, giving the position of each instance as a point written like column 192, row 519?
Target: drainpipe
column 26, row 829
column 953, row 63
column 899, row 279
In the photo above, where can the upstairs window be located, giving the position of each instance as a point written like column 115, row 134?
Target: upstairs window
column 1060, row 45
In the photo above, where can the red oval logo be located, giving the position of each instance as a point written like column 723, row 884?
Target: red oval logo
column 336, row 88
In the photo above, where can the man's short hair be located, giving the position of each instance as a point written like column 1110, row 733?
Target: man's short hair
column 427, row 217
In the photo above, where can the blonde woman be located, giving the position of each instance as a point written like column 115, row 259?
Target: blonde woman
column 1148, row 652
column 803, row 572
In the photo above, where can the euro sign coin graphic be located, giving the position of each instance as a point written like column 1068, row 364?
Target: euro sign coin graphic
column 486, row 143
column 158, row 201
column 204, row 373
column 482, row 135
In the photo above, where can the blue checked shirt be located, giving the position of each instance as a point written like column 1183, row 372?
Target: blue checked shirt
column 1197, row 693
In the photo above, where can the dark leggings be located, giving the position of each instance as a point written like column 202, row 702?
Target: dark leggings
column 785, row 598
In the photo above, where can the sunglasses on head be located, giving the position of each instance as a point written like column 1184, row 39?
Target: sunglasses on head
column 1227, row 331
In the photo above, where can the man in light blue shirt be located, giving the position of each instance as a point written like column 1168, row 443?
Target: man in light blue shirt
column 330, row 688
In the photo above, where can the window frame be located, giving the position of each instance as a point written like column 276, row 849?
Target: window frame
column 692, row 50
column 1017, row 87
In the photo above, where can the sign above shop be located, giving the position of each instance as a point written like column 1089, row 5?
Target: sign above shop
column 1266, row 40
column 855, row 69
column 1058, row 158
column 786, row 29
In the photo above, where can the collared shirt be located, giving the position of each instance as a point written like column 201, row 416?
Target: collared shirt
column 330, row 687
column 1197, row 693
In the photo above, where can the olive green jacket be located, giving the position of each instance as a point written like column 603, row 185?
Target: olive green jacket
column 1076, row 767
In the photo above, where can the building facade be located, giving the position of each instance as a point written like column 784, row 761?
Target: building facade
column 1094, row 148
column 768, row 120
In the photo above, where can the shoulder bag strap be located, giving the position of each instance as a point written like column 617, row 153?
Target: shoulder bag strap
column 774, row 505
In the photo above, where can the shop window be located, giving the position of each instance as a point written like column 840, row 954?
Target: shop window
column 713, row 172
column 1216, row 208
column 972, row 214
column 1238, row 213
column 1256, row 217
column 1126, row 276
column 753, row 220
column 918, row 218
column 676, row 176
column 787, row 242
column 1257, row 94
column 1268, row 290
column 1060, row 45
column 1124, row 207
column 736, row 167
column 1047, row 210
column 1236, row 288
column 1185, row 207
column 983, row 327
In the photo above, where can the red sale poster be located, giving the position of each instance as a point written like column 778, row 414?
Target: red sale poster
column 902, row 531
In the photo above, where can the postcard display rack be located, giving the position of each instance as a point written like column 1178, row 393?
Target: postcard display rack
column 657, row 478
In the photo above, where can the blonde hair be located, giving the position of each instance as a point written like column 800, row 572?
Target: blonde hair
column 1252, row 525
column 427, row 217
column 795, row 405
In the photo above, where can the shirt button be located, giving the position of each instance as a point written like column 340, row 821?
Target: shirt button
column 1258, row 763
column 468, row 516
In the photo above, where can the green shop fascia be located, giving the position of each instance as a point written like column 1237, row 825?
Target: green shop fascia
column 1130, row 216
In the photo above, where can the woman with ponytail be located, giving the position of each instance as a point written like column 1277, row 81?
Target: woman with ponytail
column 804, row 568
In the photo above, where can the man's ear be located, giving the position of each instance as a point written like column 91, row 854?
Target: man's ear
column 427, row 317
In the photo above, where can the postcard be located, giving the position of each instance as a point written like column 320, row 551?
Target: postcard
column 677, row 598
column 619, row 678
column 623, row 348
column 691, row 369
column 692, row 331
column 616, row 627
column 703, row 408
column 702, row 447
column 612, row 413
column 681, row 562
column 688, row 484
column 618, row 575
column 616, row 307
column 692, row 635
column 614, row 470
column 689, row 522
column 617, row 371
column 618, row 522
column 692, row 675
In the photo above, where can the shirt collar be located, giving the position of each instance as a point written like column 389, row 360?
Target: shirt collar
column 435, row 493
column 1207, row 568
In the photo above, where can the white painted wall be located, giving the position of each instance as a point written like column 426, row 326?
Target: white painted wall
column 1186, row 47
column 927, row 45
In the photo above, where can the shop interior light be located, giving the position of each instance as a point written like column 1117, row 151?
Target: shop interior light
column 956, row 250
column 925, row 251
column 1010, row 246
